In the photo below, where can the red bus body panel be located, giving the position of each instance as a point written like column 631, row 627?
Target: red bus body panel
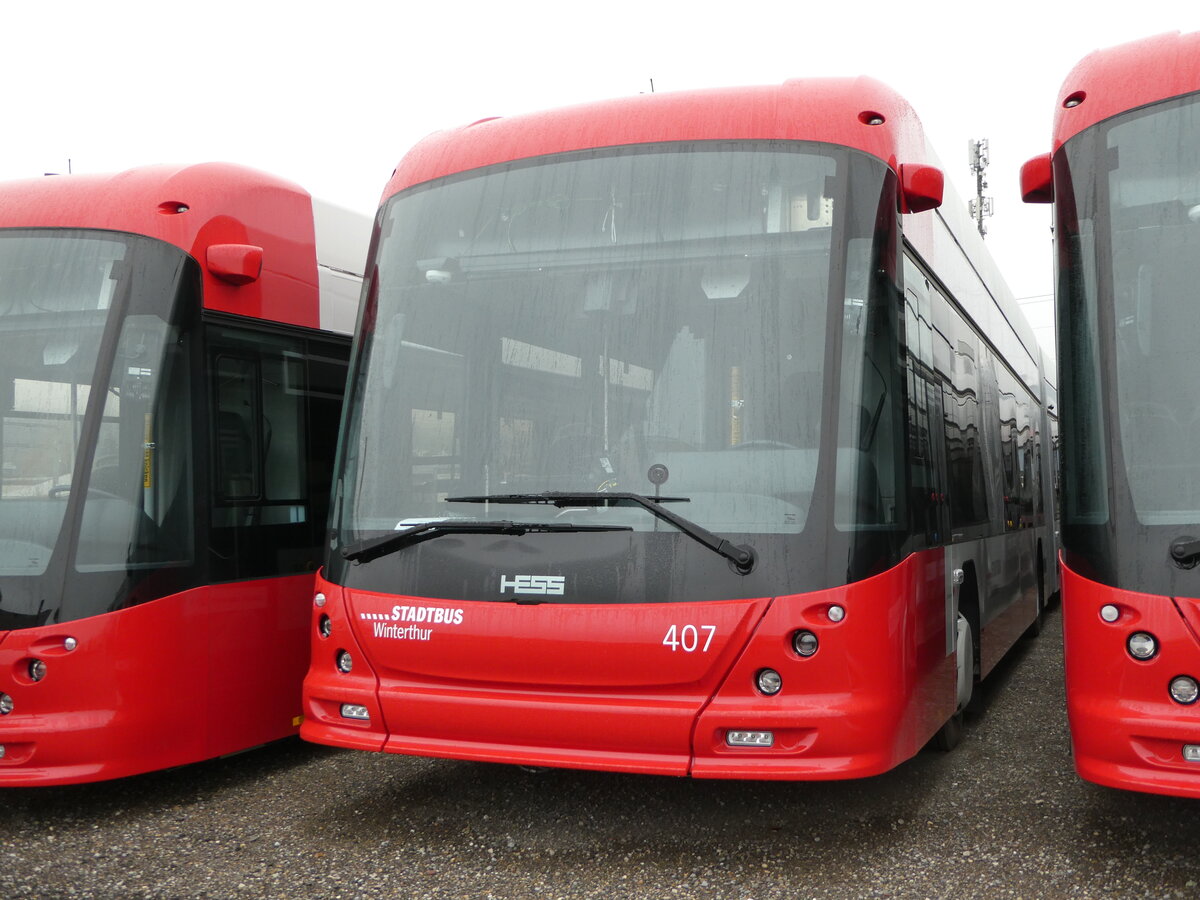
column 189, row 677
column 1126, row 730
column 193, row 207
column 602, row 687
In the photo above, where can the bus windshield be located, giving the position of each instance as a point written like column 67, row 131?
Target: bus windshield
column 91, row 451
column 648, row 320
column 1154, row 208
column 1132, row 240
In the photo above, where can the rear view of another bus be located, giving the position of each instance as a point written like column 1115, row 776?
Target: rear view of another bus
column 1124, row 177
column 170, row 384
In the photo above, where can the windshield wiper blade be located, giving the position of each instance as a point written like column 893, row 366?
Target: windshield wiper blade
column 365, row 551
column 742, row 557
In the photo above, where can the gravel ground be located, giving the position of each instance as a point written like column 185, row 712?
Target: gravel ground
column 1002, row 816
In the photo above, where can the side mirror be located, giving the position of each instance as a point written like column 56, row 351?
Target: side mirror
column 1037, row 180
column 237, row 264
column 921, row 188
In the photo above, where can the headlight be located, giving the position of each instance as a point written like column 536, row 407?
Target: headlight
column 1142, row 645
column 345, row 662
column 37, row 669
column 6, row 704
column 324, row 626
column 1184, row 689
column 768, row 681
column 804, row 643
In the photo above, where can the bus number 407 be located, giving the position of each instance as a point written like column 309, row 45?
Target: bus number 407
column 687, row 637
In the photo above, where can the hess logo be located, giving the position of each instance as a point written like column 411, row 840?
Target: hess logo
column 533, row 584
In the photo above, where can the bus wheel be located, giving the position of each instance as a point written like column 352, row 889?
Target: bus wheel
column 950, row 734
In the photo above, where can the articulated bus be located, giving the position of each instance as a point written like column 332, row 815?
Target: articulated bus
column 172, row 364
column 683, row 436
column 1124, row 177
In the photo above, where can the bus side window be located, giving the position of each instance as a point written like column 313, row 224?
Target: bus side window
column 275, row 402
column 925, row 438
column 237, row 409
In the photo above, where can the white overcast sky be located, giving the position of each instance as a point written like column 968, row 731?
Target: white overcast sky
column 332, row 94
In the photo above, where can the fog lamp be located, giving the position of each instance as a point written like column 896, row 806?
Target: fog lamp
column 355, row 711
column 1142, row 645
column 1184, row 689
column 6, row 704
column 345, row 662
column 1109, row 613
column 836, row 613
column 37, row 669
column 1191, row 752
column 804, row 643
column 769, row 681
column 324, row 626
column 749, row 738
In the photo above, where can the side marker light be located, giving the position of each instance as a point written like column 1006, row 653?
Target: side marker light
column 1109, row 613
column 837, row 613
column 319, row 600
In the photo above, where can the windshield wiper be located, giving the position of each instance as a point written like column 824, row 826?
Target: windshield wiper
column 742, row 557
column 365, row 551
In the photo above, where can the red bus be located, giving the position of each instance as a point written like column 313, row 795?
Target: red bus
column 1124, row 176
column 685, row 436
column 172, row 363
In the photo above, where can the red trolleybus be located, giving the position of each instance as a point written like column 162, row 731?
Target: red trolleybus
column 685, row 438
column 169, row 397
column 1124, row 176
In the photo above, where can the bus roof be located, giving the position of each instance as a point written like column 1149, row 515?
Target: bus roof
column 1115, row 79
column 194, row 207
column 831, row 110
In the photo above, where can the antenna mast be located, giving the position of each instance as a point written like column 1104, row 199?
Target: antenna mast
column 981, row 207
